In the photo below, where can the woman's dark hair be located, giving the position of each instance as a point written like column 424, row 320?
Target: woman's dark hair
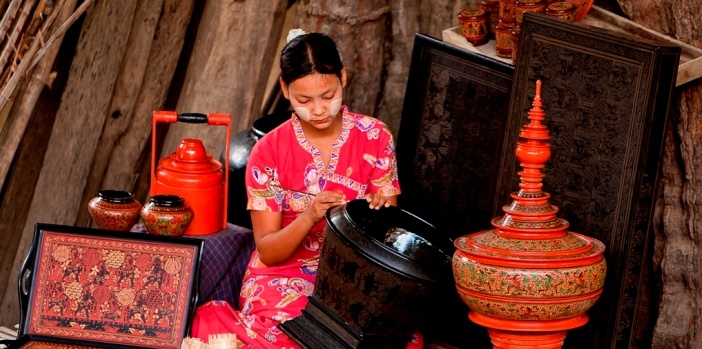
column 307, row 54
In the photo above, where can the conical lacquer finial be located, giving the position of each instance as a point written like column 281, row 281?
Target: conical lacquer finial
column 533, row 150
column 531, row 204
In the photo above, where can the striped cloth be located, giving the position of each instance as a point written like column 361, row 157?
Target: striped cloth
column 224, row 260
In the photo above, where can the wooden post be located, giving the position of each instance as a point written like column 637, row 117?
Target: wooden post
column 16, row 200
column 152, row 53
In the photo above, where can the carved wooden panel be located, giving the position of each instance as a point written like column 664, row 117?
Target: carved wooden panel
column 451, row 134
column 449, row 147
column 606, row 99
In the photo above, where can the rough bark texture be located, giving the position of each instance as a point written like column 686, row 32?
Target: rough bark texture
column 405, row 23
column 679, row 323
column 360, row 30
column 228, row 69
column 438, row 15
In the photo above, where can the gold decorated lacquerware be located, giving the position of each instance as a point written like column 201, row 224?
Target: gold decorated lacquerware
column 492, row 8
column 474, row 24
column 524, row 6
column 114, row 210
column 529, row 280
column 562, row 10
column 507, row 11
column 167, row 215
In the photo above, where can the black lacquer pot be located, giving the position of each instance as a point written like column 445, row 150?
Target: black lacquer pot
column 376, row 272
column 240, row 147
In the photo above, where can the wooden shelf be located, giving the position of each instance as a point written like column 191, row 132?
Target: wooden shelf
column 690, row 67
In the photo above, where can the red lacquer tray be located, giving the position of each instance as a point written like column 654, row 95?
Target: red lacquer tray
column 97, row 288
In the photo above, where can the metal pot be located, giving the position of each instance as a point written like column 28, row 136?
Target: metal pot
column 239, row 150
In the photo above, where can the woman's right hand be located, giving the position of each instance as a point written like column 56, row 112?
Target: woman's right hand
column 322, row 202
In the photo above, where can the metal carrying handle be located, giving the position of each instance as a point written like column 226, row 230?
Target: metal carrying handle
column 214, row 119
column 24, row 282
column 193, row 118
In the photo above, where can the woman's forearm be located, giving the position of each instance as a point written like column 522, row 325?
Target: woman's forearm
column 275, row 247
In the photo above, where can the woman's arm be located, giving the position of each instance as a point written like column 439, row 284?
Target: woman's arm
column 275, row 244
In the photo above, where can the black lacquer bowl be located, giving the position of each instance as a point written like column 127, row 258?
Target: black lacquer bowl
column 377, row 268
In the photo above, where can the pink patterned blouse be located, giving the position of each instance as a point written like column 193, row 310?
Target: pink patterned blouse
column 282, row 167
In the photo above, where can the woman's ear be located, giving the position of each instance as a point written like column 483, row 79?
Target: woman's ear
column 343, row 77
column 284, row 88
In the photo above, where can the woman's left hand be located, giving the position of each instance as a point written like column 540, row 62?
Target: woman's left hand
column 376, row 201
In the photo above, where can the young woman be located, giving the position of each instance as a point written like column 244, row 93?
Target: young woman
column 322, row 157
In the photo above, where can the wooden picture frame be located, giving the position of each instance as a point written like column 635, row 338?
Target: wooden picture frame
column 98, row 288
column 450, row 139
column 606, row 97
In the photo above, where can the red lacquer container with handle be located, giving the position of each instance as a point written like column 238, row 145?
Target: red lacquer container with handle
column 191, row 173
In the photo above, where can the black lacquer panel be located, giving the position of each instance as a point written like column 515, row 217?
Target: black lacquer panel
column 449, row 147
column 606, row 99
column 451, row 133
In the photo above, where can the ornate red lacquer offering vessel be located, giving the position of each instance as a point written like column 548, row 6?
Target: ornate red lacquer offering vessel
column 529, row 280
column 114, row 210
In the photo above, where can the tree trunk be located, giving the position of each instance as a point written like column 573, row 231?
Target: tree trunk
column 438, row 15
column 361, row 36
column 228, row 69
column 678, row 246
column 405, row 23
column 679, row 323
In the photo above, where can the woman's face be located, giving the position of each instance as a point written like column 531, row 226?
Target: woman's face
column 316, row 98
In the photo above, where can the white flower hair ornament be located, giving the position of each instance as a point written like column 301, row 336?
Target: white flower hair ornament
column 293, row 33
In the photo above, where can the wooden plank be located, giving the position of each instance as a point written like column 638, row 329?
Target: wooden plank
column 78, row 125
column 126, row 90
column 145, row 78
column 27, row 156
column 19, row 191
column 228, row 69
column 690, row 67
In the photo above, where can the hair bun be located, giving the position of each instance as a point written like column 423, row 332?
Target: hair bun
column 293, row 33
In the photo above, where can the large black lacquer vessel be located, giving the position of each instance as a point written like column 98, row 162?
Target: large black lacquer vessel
column 377, row 271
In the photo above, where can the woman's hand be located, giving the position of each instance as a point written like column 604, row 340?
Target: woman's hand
column 376, row 201
column 322, row 202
